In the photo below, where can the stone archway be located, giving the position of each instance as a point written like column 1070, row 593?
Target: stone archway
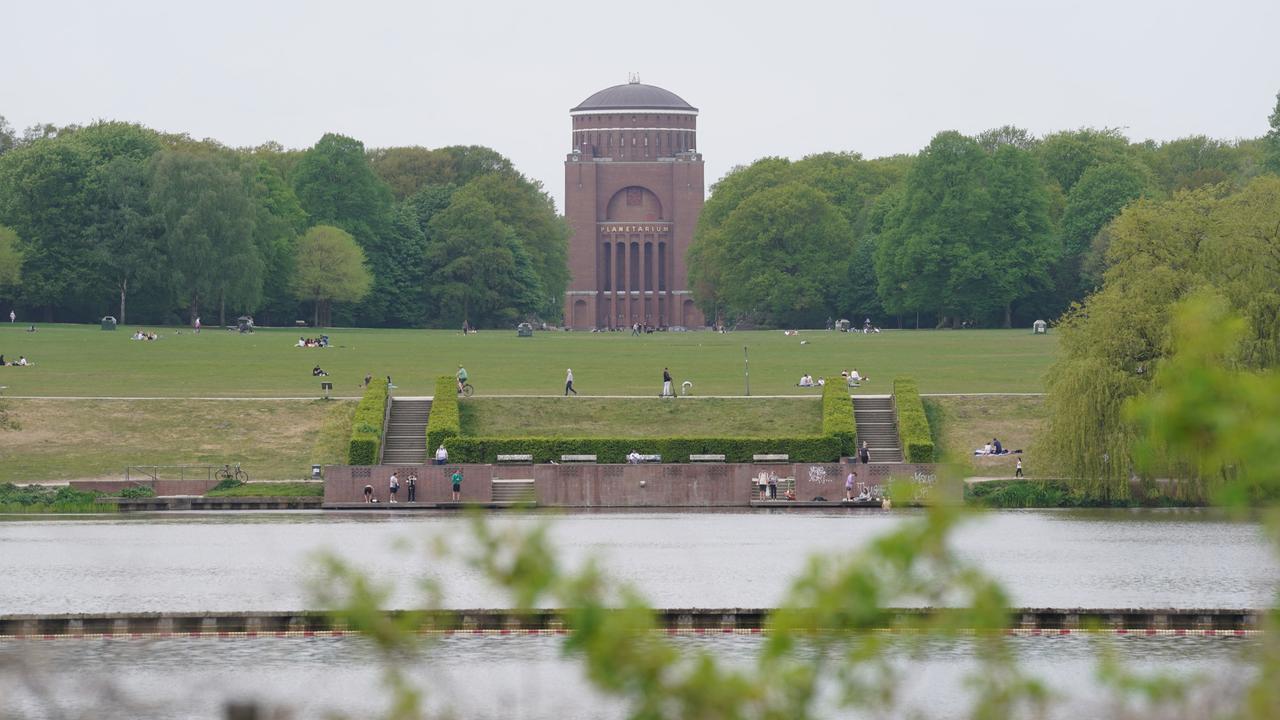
column 634, row 204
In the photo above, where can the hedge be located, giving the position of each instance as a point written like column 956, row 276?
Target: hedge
column 837, row 417
column 366, row 425
column 913, row 425
column 815, row 448
column 444, row 420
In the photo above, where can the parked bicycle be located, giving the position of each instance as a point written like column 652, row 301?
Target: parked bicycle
column 230, row 472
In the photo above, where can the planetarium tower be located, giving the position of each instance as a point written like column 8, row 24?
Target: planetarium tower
column 633, row 192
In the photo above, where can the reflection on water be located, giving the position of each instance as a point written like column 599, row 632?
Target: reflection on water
column 499, row 677
column 263, row 561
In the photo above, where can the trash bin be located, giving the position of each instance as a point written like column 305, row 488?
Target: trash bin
column 108, row 323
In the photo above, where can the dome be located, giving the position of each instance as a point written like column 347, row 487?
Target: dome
column 634, row 96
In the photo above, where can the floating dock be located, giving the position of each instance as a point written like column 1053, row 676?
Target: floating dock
column 693, row 621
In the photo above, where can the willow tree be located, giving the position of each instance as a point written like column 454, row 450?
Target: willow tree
column 1113, row 344
column 329, row 266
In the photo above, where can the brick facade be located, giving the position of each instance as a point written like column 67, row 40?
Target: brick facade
column 633, row 192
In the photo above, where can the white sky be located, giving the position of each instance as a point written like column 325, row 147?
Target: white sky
column 770, row 78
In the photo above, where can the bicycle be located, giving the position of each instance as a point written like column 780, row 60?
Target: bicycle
column 467, row 390
column 227, row 472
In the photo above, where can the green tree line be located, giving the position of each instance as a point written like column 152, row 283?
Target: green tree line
column 997, row 229
column 115, row 218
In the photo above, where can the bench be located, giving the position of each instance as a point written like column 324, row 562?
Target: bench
column 299, row 323
column 515, row 459
column 577, row 458
column 706, row 458
column 775, row 458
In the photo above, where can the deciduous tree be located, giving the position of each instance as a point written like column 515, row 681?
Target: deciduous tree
column 329, row 266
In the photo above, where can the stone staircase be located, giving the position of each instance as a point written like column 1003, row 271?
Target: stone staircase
column 405, row 440
column 878, row 425
column 513, row 491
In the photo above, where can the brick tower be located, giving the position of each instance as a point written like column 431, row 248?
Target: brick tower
column 633, row 192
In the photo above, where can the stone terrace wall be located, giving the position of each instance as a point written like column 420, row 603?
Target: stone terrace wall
column 589, row 485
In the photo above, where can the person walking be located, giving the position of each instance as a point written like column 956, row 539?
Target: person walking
column 1017, row 471
column 864, row 453
column 412, row 484
column 393, row 484
column 196, row 324
column 666, row 384
column 568, row 383
column 457, row 484
column 12, row 317
column 848, row 485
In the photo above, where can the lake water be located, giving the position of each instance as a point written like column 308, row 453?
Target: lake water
column 264, row 561
column 513, row 678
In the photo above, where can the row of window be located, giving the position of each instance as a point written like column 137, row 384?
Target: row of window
column 668, row 139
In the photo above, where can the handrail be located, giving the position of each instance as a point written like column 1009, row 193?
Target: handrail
column 154, row 474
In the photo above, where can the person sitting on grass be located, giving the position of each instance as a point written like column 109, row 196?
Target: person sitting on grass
column 22, row 361
column 317, row 372
column 806, row 380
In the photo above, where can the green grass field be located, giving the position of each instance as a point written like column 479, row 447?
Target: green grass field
column 640, row 417
column 79, row 360
column 92, row 439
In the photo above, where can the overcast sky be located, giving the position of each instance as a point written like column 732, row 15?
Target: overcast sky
column 770, row 78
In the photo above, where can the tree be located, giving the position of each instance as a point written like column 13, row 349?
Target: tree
column 10, row 258
column 1160, row 253
column 708, row 252
column 543, row 235
column 206, row 216
column 127, row 231
column 329, row 266
column 1066, row 155
column 1101, row 193
column 934, row 254
column 477, row 272
column 1018, row 230
column 787, row 247
column 277, row 222
column 407, row 170
column 336, row 185
column 1271, row 155
column 8, row 138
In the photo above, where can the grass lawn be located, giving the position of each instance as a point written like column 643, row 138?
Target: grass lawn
column 277, row 489
column 83, row 439
column 962, row 424
column 80, row 360
column 640, row 417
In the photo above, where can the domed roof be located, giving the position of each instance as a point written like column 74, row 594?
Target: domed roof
column 634, row 96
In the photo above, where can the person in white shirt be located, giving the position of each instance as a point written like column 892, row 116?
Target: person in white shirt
column 442, row 455
column 568, row 383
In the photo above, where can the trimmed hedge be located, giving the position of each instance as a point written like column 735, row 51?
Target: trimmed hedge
column 837, row 417
column 444, row 421
column 913, row 424
column 816, row 448
column 366, row 425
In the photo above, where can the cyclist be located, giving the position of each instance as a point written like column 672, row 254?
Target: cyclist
column 462, row 377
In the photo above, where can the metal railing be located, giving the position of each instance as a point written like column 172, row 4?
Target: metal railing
column 185, row 472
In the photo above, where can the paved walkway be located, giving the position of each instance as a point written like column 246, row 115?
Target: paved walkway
column 802, row 396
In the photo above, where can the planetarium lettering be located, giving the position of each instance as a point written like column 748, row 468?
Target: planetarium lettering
column 634, row 228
